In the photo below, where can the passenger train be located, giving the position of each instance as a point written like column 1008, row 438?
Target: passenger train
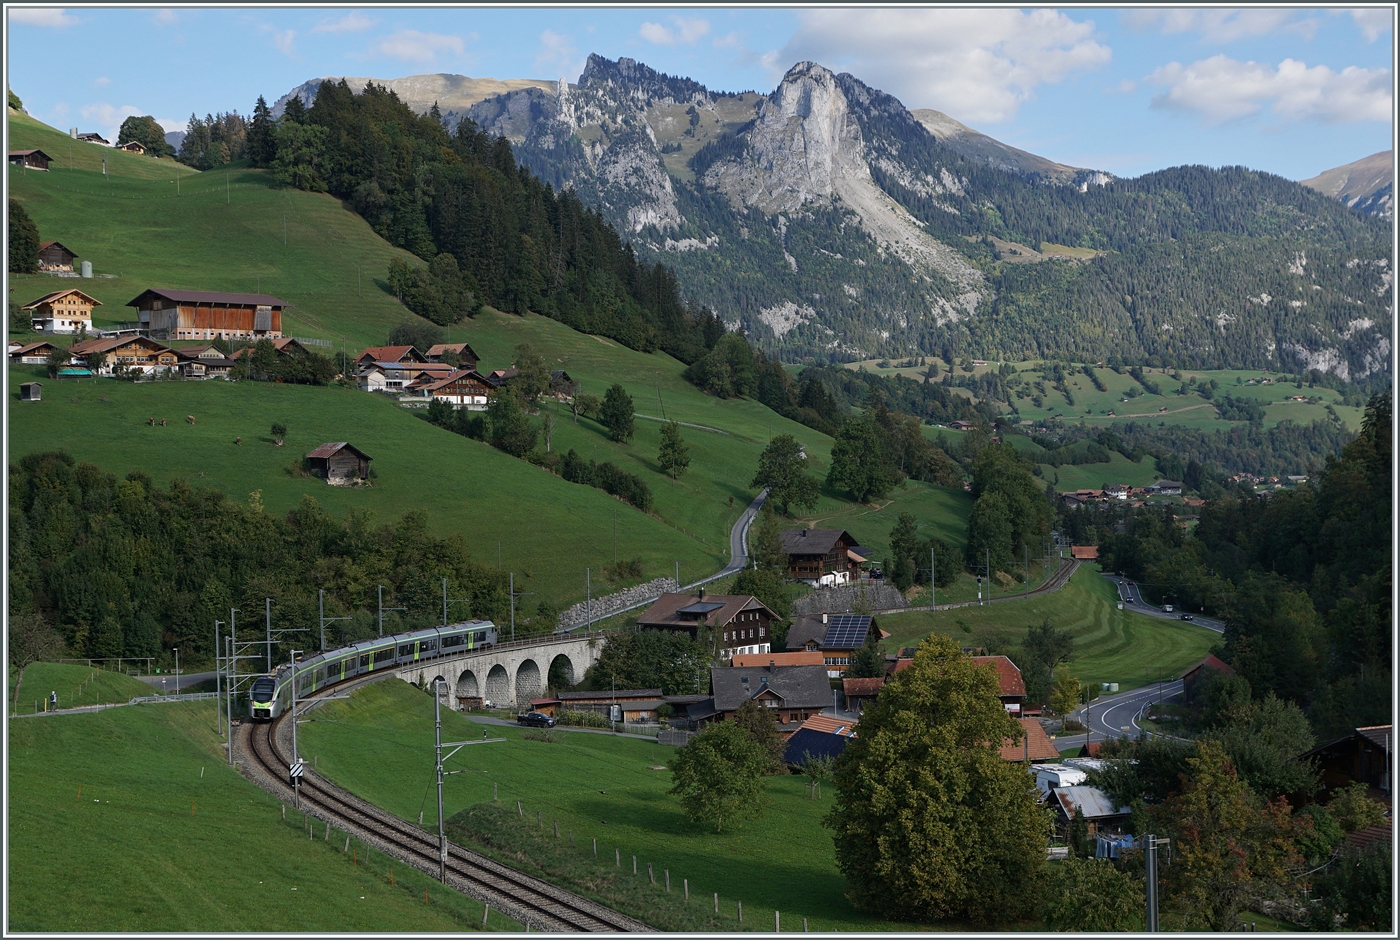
column 270, row 695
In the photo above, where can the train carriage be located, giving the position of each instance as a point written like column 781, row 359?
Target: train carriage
column 271, row 695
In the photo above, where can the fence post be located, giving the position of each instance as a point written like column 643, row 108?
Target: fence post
column 618, row 854
column 556, row 828
column 777, row 923
column 668, row 880
column 741, row 912
column 494, row 793
column 595, row 848
column 519, row 809
column 804, row 925
column 484, row 914
column 634, row 864
column 716, row 902
column 651, row 875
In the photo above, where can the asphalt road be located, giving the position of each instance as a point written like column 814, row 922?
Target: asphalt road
column 1115, row 716
column 1133, row 600
column 739, row 541
column 165, row 682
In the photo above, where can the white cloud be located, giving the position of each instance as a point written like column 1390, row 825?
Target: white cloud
column 164, row 17
column 685, row 31
column 46, row 16
column 414, row 46
column 174, row 124
column 559, row 55
column 1127, row 86
column 1220, row 26
column 100, row 82
column 976, row 64
column 1221, row 89
column 350, row 23
column 285, row 41
column 1372, row 22
column 108, row 118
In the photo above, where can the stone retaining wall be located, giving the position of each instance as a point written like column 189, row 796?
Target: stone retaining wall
column 606, row 606
column 844, row 598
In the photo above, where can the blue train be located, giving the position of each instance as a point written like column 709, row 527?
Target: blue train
column 271, row 694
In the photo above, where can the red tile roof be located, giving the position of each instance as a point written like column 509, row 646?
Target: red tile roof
column 829, row 725
column 388, row 353
column 862, row 687
column 1084, row 552
column 1363, row 839
column 1008, row 676
column 1210, row 662
column 330, row 450
column 802, row 658
column 1036, row 743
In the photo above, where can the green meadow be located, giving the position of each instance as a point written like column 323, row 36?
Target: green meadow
column 128, row 821
column 379, row 744
column 76, row 685
column 1111, row 645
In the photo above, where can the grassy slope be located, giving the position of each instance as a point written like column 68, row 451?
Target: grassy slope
column 198, row 241
column 75, row 685
column 1111, row 645
column 379, row 744
column 166, row 837
column 223, row 232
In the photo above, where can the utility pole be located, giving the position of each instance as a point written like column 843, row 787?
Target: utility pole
column 268, row 606
column 1027, row 547
column 1151, row 846
column 614, row 535
column 382, row 608
column 932, row 581
column 512, row 610
column 438, row 685
column 231, row 664
column 218, row 687
column 446, row 599
column 321, row 600
column 588, row 597
column 989, row 574
column 296, row 777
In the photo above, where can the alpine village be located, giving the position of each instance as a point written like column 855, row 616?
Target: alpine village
column 676, row 510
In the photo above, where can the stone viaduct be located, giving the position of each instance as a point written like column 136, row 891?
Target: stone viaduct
column 510, row 674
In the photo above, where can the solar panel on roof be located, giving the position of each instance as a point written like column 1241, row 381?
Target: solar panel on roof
column 703, row 607
column 846, row 631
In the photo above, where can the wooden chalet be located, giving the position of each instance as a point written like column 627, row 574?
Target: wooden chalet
column 130, row 353
column 1365, row 755
column 741, row 622
column 633, row 705
column 390, row 354
column 62, row 311
column 203, row 361
column 466, row 356
column 794, row 693
column 95, row 138
column 822, row 556
column 30, row 159
column 32, row 354
column 817, row 737
column 1191, row 679
column 29, row 391
column 1084, row 552
column 196, row 314
column 55, row 256
column 339, row 464
column 132, row 146
column 465, row 388
column 401, row 376
column 562, row 385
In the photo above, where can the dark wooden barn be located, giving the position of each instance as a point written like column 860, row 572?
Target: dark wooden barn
column 29, row 391
column 339, row 464
column 33, row 159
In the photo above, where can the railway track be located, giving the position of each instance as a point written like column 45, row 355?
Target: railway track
column 536, row 903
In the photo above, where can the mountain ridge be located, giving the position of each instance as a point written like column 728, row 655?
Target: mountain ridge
column 1366, row 185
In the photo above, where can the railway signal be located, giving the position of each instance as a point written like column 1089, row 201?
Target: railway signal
column 296, row 771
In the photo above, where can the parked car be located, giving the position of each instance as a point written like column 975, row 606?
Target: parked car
column 1187, row 617
column 536, row 720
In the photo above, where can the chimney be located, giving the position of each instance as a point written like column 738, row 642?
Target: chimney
column 804, row 533
column 772, row 664
column 823, row 616
column 702, row 593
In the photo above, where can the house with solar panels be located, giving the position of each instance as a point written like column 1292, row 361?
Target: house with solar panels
column 837, row 636
column 823, row 557
column 741, row 622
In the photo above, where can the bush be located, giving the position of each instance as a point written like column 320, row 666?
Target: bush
column 582, row 719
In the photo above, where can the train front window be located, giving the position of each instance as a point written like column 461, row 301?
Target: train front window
column 263, row 689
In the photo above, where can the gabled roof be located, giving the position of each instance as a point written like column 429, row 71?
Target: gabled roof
column 1379, row 735
column 1210, row 662
column 330, row 450
column 1084, row 552
column 283, row 344
column 25, row 153
column 461, row 349
column 813, row 541
column 607, row 695
column 665, row 612
column 1035, row 746
column 778, row 659
column 109, row 343
column 862, row 688
column 1371, row 836
column 209, row 297
column 830, row 725
column 43, row 245
column 797, row 686
column 390, row 354
column 1008, row 676
column 26, row 350
column 458, row 374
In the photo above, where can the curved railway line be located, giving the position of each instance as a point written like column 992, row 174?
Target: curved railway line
column 529, row 900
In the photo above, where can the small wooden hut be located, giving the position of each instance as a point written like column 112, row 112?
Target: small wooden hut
column 29, row 391
column 339, row 464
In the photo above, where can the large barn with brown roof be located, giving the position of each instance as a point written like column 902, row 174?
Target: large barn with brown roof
column 198, row 314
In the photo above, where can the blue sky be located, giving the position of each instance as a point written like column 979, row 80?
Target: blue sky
column 1291, row 91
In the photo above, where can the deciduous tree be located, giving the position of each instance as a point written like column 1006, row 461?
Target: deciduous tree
column 718, row 774
column 857, row 461
column 616, row 414
column 24, row 243
column 1094, row 896
column 782, row 469
column 930, row 823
